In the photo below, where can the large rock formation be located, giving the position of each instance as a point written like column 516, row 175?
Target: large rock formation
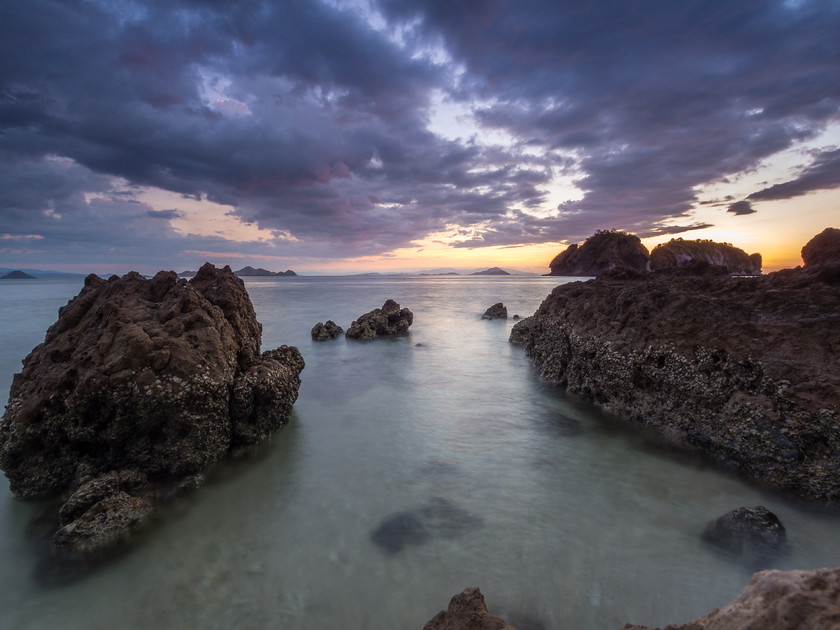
column 138, row 388
column 776, row 600
column 606, row 250
column 467, row 611
column 387, row 321
column 823, row 248
column 743, row 370
column 678, row 254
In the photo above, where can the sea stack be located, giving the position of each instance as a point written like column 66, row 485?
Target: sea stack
column 138, row 388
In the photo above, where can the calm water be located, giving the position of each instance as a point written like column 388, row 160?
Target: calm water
column 560, row 515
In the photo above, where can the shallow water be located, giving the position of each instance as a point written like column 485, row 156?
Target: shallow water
column 478, row 473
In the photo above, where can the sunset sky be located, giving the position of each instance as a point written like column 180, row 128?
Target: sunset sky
column 343, row 136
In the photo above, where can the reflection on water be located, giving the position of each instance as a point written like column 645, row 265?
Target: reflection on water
column 412, row 468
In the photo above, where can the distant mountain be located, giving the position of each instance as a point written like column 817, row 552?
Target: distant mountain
column 187, row 274
column 18, row 275
column 493, row 271
column 250, row 272
column 42, row 274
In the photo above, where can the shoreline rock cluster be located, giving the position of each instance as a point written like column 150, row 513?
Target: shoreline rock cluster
column 388, row 321
column 743, row 370
column 139, row 387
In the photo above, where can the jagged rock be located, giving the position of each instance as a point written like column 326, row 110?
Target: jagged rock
column 521, row 331
column 743, row 370
column 386, row 321
column 497, row 311
column 823, row 248
column 753, row 534
column 776, row 600
column 324, row 332
column 703, row 257
column 467, row 611
column 606, row 250
column 138, row 388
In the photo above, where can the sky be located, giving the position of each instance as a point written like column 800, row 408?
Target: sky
column 344, row 136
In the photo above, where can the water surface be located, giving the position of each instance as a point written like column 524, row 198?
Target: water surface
column 484, row 475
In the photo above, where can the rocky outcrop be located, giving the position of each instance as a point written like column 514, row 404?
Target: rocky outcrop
column 823, row 248
column 497, row 311
column 387, row 321
column 467, row 611
column 776, row 600
column 325, row 332
column 752, row 534
column 703, row 256
column 606, row 250
column 743, row 370
column 138, row 388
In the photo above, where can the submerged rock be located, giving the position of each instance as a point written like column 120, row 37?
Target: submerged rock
column 325, row 332
column 776, row 600
column 390, row 320
column 753, row 534
column 743, row 370
column 497, row 311
column 138, row 388
column 467, row 611
column 439, row 517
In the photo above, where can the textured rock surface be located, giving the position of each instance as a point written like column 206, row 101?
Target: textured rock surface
column 497, row 311
column 389, row 320
column 138, row 387
column 823, row 248
column 697, row 254
column 467, row 611
column 606, row 250
column 753, row 534
column 776, row 600
column 325, row 332
column 743, row 370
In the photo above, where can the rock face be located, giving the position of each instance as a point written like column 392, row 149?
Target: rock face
column 776, row 600
column 325, row 332
column 389, row 320
column 696, row 255
column 467, row 611
column 753, row 534
column 823, row 248
column 743, row 370
column 138, row 387
column 497, row 311
column 606, row 250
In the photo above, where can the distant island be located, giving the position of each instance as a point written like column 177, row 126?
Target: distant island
column 18, row 275
column 493, row 271
column 248, row 272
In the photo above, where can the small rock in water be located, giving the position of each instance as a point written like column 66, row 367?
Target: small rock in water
column 753, row 534
column 389, row 320
column 497, row 311
column 325, row 332
column 439, row 517
column 399, row 530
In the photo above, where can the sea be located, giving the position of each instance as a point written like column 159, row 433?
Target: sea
column 412, row 468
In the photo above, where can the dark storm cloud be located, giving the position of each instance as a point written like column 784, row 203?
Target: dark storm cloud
column 740, row 207
column 309, row 121
column 822, row 174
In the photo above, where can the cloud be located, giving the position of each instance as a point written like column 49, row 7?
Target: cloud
column 822, row 174
column 740, row 207
column 313, row 119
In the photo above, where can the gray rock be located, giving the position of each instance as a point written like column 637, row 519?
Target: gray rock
column 390, row 320
column 325, row 332
column 497, row 311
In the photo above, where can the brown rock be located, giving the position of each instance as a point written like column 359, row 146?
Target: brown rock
column 703, row 257
column 387, row 321
column 497, row 311
column 606, row 250
column 138, row 387
column 467, row 611
column 823, row 248
column 325, row 332
column 776, row 600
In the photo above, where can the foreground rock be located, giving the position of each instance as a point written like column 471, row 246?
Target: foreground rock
column 138, row 388
column 754, row 535
column 776, row 600
column 325, row 332
column 743, row 370
column 388, row 321
column 467, row 611
column 606, row 250
column 497, row 311
column 680, row 255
